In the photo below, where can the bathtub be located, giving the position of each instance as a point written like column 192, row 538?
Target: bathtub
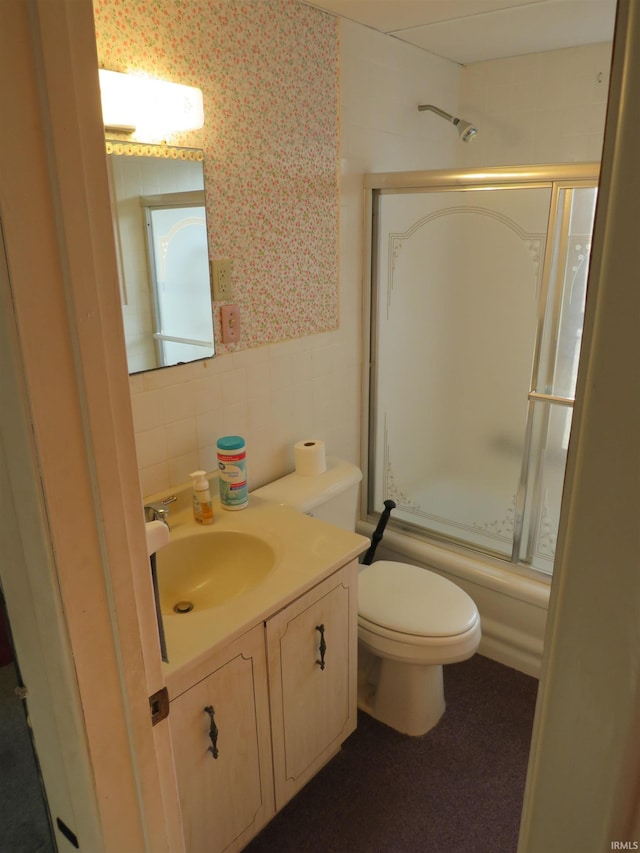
column 512, row 603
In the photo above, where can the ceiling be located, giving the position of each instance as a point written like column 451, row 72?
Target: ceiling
column 468, row 31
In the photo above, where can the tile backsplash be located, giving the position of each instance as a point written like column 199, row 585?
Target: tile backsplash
column 274, row 396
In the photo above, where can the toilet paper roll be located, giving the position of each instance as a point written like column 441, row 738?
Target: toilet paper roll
column 310, row 458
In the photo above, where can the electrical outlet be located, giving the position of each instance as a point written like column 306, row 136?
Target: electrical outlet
column 230, row 323
column 222, row 288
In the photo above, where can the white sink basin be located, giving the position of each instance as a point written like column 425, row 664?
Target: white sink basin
column 207, row 569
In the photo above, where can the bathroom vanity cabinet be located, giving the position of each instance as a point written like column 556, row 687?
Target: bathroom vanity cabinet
column 312, row 688
column 222, row 748
column 252, row 723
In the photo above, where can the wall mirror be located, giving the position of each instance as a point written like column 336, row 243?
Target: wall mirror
column 158, row 203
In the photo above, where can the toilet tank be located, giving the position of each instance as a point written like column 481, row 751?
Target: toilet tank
column 332, row 496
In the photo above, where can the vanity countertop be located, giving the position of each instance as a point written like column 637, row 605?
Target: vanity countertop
column 307, row 551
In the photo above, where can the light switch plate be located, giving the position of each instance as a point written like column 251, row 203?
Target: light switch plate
column 230, row 323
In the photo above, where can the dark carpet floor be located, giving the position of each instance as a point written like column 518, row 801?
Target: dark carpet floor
column 24, row 823
column 457, row 789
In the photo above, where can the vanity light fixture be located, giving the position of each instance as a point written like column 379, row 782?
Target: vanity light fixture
column 153, row 107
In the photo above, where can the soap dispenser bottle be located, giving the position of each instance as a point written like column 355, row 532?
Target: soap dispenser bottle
column 202, row 506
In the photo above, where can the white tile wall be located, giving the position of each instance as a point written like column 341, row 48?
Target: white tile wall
column 273, row 395
column 541, row 108
column 382, row 83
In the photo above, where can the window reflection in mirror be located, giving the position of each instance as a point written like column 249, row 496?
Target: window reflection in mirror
column 158, row 203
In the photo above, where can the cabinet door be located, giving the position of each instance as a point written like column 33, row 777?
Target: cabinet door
column 312, row 691
column 226, row 789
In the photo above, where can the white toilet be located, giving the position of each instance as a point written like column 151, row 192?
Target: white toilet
column 410, row 621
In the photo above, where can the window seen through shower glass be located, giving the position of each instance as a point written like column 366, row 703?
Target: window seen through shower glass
column 478, row 305
column 179, row 272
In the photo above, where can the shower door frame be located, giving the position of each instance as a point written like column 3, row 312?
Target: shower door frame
column 556, row 177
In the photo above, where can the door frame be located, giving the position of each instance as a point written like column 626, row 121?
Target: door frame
column 583, row 783
column 78, row 585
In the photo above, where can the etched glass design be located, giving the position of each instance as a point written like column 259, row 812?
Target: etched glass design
column 477, row 320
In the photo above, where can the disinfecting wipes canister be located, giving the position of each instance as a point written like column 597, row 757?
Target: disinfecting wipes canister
column 232, row 469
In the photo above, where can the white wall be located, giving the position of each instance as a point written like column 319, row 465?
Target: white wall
column 540, row 108
column 382, row 83
column 310, row 387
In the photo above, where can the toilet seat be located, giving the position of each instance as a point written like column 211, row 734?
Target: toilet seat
column 416, row 616
column 404, row 599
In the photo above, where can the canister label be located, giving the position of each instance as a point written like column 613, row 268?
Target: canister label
column 232, row 469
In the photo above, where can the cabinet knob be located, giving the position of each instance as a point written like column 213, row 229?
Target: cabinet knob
column 323, row 646
column 213, row 731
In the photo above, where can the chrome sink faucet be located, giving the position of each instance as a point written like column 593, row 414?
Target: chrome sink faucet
column 159, row 510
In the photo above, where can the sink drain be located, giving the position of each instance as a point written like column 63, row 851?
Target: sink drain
column 183, row 607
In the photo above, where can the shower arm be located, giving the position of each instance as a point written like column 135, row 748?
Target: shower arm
column 439, row 112
column 466, row 130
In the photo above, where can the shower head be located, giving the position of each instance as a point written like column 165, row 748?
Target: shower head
column 466, row 130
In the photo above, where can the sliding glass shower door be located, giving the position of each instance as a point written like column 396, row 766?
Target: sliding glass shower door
column 476, row 306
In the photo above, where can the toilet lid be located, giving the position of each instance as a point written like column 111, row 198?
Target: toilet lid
column 414, row 601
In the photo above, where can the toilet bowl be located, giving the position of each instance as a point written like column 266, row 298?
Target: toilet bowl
column 410, row 623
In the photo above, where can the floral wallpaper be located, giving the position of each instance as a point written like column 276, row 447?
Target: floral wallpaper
column 268, row 70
